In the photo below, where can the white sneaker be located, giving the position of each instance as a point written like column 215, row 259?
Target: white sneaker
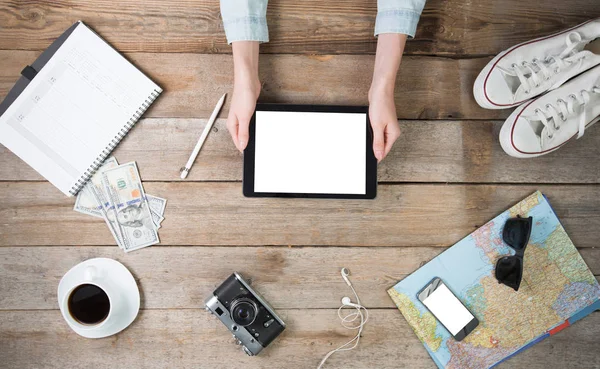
column 548, row 122
column 529, row 69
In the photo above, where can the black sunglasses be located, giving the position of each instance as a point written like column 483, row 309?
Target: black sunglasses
column 516, row 233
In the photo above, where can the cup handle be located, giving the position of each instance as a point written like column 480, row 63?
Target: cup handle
column 90, row 273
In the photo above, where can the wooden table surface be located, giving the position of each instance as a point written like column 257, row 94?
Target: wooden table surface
column 446, row 176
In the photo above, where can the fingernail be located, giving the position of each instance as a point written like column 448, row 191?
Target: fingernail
column 379, row 155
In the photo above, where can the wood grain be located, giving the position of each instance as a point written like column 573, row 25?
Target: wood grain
column 36, row 213
column 182, row 277
column 427, row 87
column 428, row 151
column 193, row 338
column 447, row 27
column 317, row 55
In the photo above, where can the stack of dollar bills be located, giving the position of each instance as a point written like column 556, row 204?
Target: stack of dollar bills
column 115, row 193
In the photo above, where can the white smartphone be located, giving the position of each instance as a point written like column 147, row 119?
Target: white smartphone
column 447, row 309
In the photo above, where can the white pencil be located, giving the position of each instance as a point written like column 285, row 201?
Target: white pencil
column 185, row 170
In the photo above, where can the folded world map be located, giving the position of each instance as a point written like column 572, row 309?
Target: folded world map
column 557, row 290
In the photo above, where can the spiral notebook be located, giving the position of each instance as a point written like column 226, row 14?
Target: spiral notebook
column 72, row 107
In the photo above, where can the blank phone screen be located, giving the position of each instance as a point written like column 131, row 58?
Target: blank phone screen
column 309, row 152
column 448, row 309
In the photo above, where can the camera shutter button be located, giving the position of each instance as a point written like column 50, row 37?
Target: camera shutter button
column 268, row 323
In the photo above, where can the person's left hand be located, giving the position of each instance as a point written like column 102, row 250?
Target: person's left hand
column 382, row 113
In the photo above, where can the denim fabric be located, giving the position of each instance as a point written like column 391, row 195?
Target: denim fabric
column 245, row 20
column 398, row 16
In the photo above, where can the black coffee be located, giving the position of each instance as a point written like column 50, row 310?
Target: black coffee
column 89, row 304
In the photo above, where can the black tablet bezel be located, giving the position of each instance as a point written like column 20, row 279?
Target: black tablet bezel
column 371, row 161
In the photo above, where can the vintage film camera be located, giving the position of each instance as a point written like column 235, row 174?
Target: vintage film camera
column 245, row 313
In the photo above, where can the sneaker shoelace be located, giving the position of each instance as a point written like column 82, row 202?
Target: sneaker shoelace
column 556, row 114
column 532, row 74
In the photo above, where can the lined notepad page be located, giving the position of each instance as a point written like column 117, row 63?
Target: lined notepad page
column 81, row 101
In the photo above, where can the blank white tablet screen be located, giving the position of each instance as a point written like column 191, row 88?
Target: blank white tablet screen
column 300, row 152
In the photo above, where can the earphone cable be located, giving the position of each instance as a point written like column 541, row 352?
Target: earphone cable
column 358, row 313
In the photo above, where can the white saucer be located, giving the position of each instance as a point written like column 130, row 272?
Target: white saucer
column 128, row 289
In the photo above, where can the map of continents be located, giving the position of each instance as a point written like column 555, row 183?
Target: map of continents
column 556, row 285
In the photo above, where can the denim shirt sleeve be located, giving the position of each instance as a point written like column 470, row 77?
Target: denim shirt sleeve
column 398, row 16
column 245, row 20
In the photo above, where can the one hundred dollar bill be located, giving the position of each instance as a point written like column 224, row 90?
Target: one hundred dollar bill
column 157, row 204
column 105, row 210
column 87, row 202
column 157, row 209
column 128, row 210
column 156, row 219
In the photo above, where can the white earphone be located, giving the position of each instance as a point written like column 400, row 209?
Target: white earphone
column 346, row 301
column 364, row 317
column 345, row 273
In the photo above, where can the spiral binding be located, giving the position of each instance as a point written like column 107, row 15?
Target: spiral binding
column 97, row 163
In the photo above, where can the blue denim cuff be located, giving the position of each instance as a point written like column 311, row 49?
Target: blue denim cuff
column 397, row 21
column 248, row 28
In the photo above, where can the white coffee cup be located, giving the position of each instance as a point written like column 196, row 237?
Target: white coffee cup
column 93, row 276
column 115, row 281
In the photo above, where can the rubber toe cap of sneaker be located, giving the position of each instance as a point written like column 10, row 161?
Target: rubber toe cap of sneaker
column 496, row 90
column 520, row 141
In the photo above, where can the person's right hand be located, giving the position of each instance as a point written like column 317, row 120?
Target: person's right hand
column 246, row 89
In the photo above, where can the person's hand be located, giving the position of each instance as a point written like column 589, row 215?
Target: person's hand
column 382, row 107
column 382, row 113
column 246, row 88
column 243, row 103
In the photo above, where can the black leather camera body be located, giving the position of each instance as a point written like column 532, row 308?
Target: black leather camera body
column 252, row 321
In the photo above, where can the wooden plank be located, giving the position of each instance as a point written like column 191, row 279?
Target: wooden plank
column 427, row 87
column 313, row 27
column 193, row 338
column 428, row 151
column 35, row 213
column 182, row 277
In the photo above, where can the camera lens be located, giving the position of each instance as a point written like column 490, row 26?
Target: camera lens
column 243, row 311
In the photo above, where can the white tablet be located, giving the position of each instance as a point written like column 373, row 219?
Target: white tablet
column 310, row 151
